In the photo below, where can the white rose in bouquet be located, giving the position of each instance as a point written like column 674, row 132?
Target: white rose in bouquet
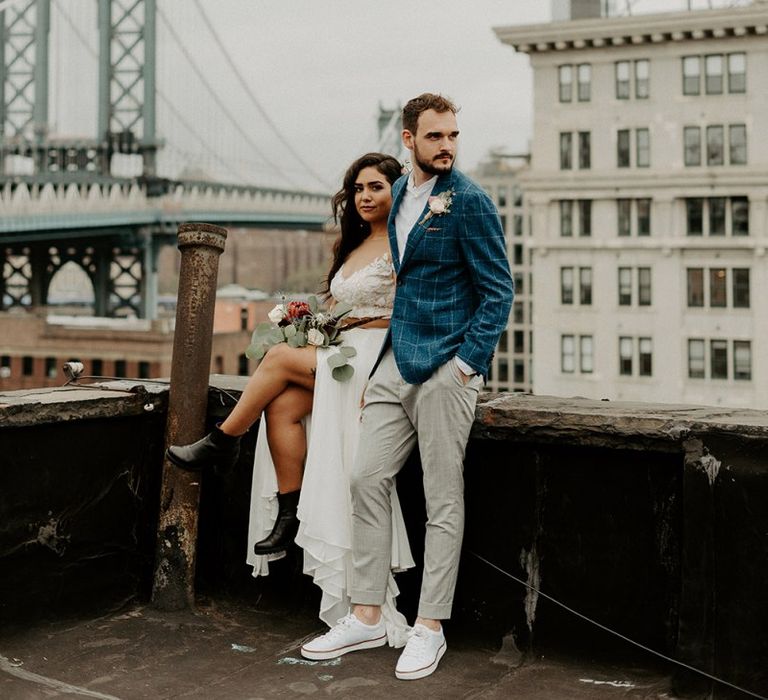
column 315, row 337
column 276, row 315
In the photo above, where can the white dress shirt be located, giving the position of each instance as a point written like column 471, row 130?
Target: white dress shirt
column 411, row 205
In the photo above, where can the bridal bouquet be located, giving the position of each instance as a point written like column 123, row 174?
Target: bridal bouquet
column 302, row 323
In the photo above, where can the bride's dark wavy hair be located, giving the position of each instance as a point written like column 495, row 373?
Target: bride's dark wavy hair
column 353, row 229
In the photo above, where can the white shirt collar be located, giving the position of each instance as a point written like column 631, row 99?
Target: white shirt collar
column 428, row 185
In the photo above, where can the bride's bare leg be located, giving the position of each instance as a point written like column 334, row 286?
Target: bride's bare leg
column 287, row 437
column 281, row 367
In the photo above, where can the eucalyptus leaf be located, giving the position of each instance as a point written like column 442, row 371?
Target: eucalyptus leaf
column 293, row 340
column 312, row 301
column 343, row 373
column 326, row 339
column 337, row 360
column 289, row 331
column 276, row 336
column 348, row 351
column 301, row 339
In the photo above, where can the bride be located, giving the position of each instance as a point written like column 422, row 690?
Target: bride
column 301, row 469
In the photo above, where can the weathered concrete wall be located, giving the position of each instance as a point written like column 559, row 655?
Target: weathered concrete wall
column 651, row 520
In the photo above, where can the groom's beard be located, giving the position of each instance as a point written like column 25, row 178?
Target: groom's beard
column 435, row 167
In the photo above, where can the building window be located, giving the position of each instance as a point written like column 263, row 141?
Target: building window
column 502, row 194
column 27, row 365
column 517, row 254
column 97, row 367
column 518, row 279
column 517, row 225
column 742, row 359
column 585, row 354
column 717, row 288
column 50, row 367
column 622, row 80
column 518, row 312
column 518, row 369
column 643, row 147
column 622, row 148
column 624, row 211
column 567, row 354
column 518, row 340
column 696, row 358
column 585, row 286
column 144, row 372
column 739, row 216
column 715, row 145
column 695, row 286
column 565, row 80
column 716, row 216
column 643, row 217
column 692, row 145
column 644, row 286
column 242, row 366
column 120, row 368
column 584, row 75
column 625, row 356
column 566, row 217
column 585, row 156
column 645, row 357
column 625, row 286
column 566, row 285
column 737, row 72
column 737, row 144
column 691, row 75
column 718, row 359
column 642, row 79
column 566, row 147
column 694, row 210
column 740, row 281
column 713, row 74
column 585, row 217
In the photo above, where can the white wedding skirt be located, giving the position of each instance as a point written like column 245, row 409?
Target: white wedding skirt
column 325, row 506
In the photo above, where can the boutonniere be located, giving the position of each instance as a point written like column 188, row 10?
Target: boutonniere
column 438, row 205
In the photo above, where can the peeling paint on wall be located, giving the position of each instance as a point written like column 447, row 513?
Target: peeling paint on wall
column 710, row 465
column 530, row 563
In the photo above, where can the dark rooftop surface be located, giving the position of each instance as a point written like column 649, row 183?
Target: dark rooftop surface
column 235, row 651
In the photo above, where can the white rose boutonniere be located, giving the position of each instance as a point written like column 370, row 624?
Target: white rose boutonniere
column 276, row 315
column 438, row 205
column 315, row 337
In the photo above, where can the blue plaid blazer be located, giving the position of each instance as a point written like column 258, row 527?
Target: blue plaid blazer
column 454, row 288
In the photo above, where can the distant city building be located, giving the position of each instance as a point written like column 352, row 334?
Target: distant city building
column 648, row 198
column 35, row 346
column 579, row 9
column 510, row 369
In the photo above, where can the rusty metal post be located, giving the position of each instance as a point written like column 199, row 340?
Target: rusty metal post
column 200, row 246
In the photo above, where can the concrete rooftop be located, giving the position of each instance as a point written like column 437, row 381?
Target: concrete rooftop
column 241, row 651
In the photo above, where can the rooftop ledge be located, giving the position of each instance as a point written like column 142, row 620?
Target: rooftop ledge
column 505, row 416
column 637, row 29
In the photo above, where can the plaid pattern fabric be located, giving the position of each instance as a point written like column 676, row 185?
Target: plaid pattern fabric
column 454, row 288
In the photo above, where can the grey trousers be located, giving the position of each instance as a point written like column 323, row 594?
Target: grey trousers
column 439, row 414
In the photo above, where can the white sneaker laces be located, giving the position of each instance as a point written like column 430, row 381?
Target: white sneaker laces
column 417, row 642
column 342, row 624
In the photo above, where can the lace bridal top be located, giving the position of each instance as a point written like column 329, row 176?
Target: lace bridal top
column 370, row 290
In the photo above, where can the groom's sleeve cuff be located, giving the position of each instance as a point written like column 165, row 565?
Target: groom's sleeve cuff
column 464, row 367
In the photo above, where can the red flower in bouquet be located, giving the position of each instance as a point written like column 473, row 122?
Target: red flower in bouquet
column 297, row 309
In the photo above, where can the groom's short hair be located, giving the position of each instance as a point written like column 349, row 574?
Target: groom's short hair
column 422, row 103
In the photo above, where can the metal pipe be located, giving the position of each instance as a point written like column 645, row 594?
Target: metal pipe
column 200, row 246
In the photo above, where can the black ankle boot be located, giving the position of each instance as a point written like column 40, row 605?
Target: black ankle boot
column 286, row 525
column 216, row 448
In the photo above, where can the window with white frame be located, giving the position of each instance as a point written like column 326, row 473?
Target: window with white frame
column 565, row 83
column 567, row 354
column 717, row 216
column 724, row 287
column 711, row 359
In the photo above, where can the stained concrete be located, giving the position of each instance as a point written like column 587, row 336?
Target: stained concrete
column 243, row 651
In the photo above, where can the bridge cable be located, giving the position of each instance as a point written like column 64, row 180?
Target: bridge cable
column 615, row 633
column 254, row 99
column 219, row 101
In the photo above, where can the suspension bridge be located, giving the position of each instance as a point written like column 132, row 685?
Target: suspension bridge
column 100, row 175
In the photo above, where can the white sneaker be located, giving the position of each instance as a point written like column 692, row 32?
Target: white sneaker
column 422, row 653
column 349, row 634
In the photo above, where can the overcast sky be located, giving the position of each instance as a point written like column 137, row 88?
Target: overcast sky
column 319, row 68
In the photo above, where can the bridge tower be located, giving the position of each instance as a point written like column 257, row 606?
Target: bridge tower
column 120, row 263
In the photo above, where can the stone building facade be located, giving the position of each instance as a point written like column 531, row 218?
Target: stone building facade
column 648, row 202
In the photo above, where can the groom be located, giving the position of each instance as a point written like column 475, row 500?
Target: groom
column 453, row 297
